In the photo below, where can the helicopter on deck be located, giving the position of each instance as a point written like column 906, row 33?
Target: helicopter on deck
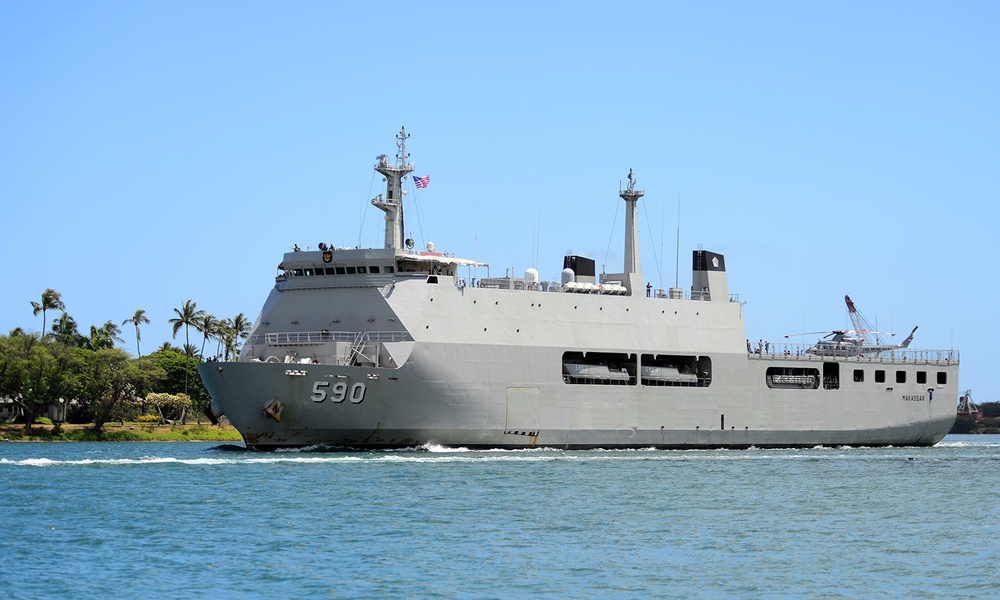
column 860, row 341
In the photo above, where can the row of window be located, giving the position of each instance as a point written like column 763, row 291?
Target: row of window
column 354, row 270
column 809, row 377
column 615, row 368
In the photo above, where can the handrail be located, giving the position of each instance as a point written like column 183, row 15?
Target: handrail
column 780, row 350
column 292, row 338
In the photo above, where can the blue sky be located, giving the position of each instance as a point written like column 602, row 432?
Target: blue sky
column 152, row 152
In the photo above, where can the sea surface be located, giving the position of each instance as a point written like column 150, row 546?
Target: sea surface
column 203, row 520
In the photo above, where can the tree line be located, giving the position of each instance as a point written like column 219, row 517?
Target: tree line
column 87, row 379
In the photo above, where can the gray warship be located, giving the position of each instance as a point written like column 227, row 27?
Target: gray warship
column 392, row 347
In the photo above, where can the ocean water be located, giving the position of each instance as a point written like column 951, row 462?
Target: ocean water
column 171, row 520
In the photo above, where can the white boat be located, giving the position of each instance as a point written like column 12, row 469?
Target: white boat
column 392, row 347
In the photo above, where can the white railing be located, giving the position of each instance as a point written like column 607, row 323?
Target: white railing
column 780, row 350
column 305, row 338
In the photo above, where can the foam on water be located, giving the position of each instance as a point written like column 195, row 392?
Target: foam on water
column 443, row 522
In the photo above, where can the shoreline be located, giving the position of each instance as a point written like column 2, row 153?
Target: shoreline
column 129, row 431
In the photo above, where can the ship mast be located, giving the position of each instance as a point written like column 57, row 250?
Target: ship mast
column 631, row 197
column 392, row 203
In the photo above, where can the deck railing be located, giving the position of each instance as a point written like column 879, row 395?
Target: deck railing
column 780, row 350
column 305, row 338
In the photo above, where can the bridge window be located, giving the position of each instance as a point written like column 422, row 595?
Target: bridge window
column 352, row 270
column 341, row 271
column 362, row 270
column 859, row 375
column 922, row 377
column 390, row 269
column 373, row 269
column 942, row 377
column 879, row 376
column 900, row 376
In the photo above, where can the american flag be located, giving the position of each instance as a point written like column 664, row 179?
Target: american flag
column 422, row 182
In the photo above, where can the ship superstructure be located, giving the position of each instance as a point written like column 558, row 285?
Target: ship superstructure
column 391, row 347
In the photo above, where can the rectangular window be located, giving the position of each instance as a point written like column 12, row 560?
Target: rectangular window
column 598, row 368
column 341, row 271
column 373, row 269
column 900, row 376
column 879, row 376
column 798, row 378
column 676, row 370
column 362, row 269
column 942, row 378
column 309, row 272
column 390, row 269
column 352, row 270
column 859, row 375
column 922, row 377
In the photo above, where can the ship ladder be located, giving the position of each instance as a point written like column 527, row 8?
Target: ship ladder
column 360, row 341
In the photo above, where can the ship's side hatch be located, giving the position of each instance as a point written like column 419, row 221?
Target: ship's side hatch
column 831, row 376
column 523, row 404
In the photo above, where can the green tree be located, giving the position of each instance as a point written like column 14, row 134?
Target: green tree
column 35, row 374
column 168, row 347
column 139, row 318
column 208, row 325
column 51, row 300
column 169, row 406
column 65, row 332
column 103, row 337
column 241, row 327
column 111, row 382
column 187, row 316
column 175, row 367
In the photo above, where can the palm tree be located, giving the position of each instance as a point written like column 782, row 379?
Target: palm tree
column 241, row 327
column 187, row 315
column 139, row 318
column 103, row 337
column 65, row 331
column 50, row 300
column 167, row 347
column 208, row 325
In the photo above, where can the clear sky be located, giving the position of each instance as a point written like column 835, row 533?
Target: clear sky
column 154, row 152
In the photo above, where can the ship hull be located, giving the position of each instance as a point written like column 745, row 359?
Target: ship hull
column 480, row 396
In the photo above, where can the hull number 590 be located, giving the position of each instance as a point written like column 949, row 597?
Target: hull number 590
column 338, row 392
